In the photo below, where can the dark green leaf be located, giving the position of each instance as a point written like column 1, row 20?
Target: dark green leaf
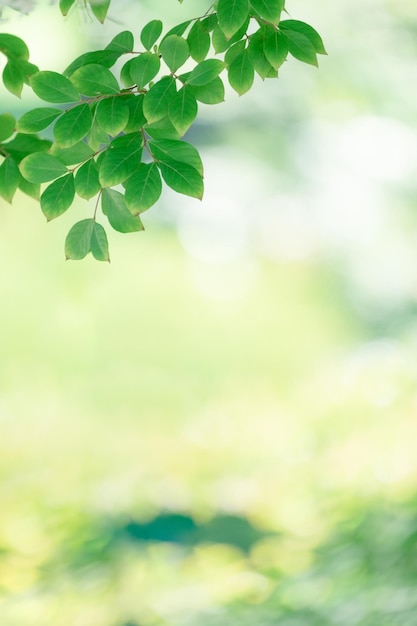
column 174, row 50
column 234, row 51
column 144, row 68
column 99, row 244
column 209, row 22
column 14, row 77
column 300, row 47
column 22, row 145
column 72, row 126
column 241, row 73
column 7, row 126
column 13, row 47
column 37, row 119
column 112, row 114
column 269, row 10
column 114, row 207
column 167, row 150
column 306, row 30
column 41, row 167
column 78, row 240
column 182, row 178
column 198, row 42
column 150, row 33
column 158, row 98
column 136, row 117
column 9, row 179
column 143, row 188
column 65, row 5
column 106, row 58
column 87, row 184
column 275, row 47
column 77, row 153
column 95, row 80
column 120, row 160
column 183, row 110
column 53, row 87
column 58, row 197
column 232, row 14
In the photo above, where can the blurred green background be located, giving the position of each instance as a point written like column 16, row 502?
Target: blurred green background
column 219, row 428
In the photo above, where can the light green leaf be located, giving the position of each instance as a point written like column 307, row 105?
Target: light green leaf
column 99, row 8
column 241, row 73
column 143, row 68
column 95, row 80
column 212, row 93
column 41, row 167
column 150, row 33
column 7, row 126
column 65, row 5
column 58, row 197
column 72, row 126
column 13, row 77
column 182, row 178
column 205, row 72
column 87, row 184
column 162, row 129
column 234, row 51
column 183, row 110
column 306, row 30
column 198, row 42
column 9, row 179
column 169, row 150
column 78, row 240
column 112, row 114
column 114, row 207
column 77, row 153
column 300, row 47
column 143, row 188
column 275, row 47
column 269, row 10
column 174, row 50
column 99, row 244
column 120, row 160
column 106, row 58
column 136, row 117
column 30, row 189
column 232, row 14
column 123, row 42
column 53, row 87
column 158, row 98
column 37, row 119
column 179, row 29
column 13, row 47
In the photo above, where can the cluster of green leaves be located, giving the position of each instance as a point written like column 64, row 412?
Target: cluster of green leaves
column 119, row 139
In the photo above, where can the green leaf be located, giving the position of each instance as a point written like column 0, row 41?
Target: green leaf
column 41, row 167
column 150, row 33
column 78, row 240
column 179, row 29
column 114, row 207
column 99, row 8
column 221, row 43
column 241, row 73
column 7, row 126
column 120, row 160
column 212, row 93
column 300, row 47
column 205, row 72
column 167, row 150
column 87, row 184
column 183, row 110
column 97, row 137
column 13, row 77
column 77, row 153
column 275, row 47
column 174, row 50
column 269, row 10
column 209, row 22
column 232, row 14
column 106, row 58
column 136, row 117
column 13, row 47
column 58, row 197
column 162, row 129
column 198, row 42
column 158, row 98
column 30, row 189
column 143, row 188
column 37, row 119
column 65, row 5
column 123, row 42
column 182, row 178
column 306, row 30
column 125, row 76
column 53, row 87
column 112, row 114
column 258, row 58
column 234, row 51
column 9, row 179
column 144, row 68
column 72, row 126
column 94, row 80
column 22, row 145
column 99, row 244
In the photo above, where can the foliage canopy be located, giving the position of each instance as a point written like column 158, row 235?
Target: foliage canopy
column 119, row 139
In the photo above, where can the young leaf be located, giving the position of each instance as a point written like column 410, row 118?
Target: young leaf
column 99, row 244
column 205, row 72
column 232, row 14
column 174, row 50
column 87, row 184
column 94, row 80
column 275, row 47
column 150, row 33
column 157, row 100
column 241, row 73
column 183, row 110
column 77, row 153
column 182, row 178
column 37, row 119
column 269, row 10
column 78, row 240
column 99, row 8
column 143, row 188
column 114, row 207
column 13, row 47
column 9, row 179
column 58, row 197
column 7, row 126
column 122, row 43
column 73, row 125
column 198, row 42
column 112, row 114
column 143, row 68
column 306, row 30
column 300, row 46
column 41, row 167
column 53, row 87
column 211, row 93
column 120, row 160
column 166, row 150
